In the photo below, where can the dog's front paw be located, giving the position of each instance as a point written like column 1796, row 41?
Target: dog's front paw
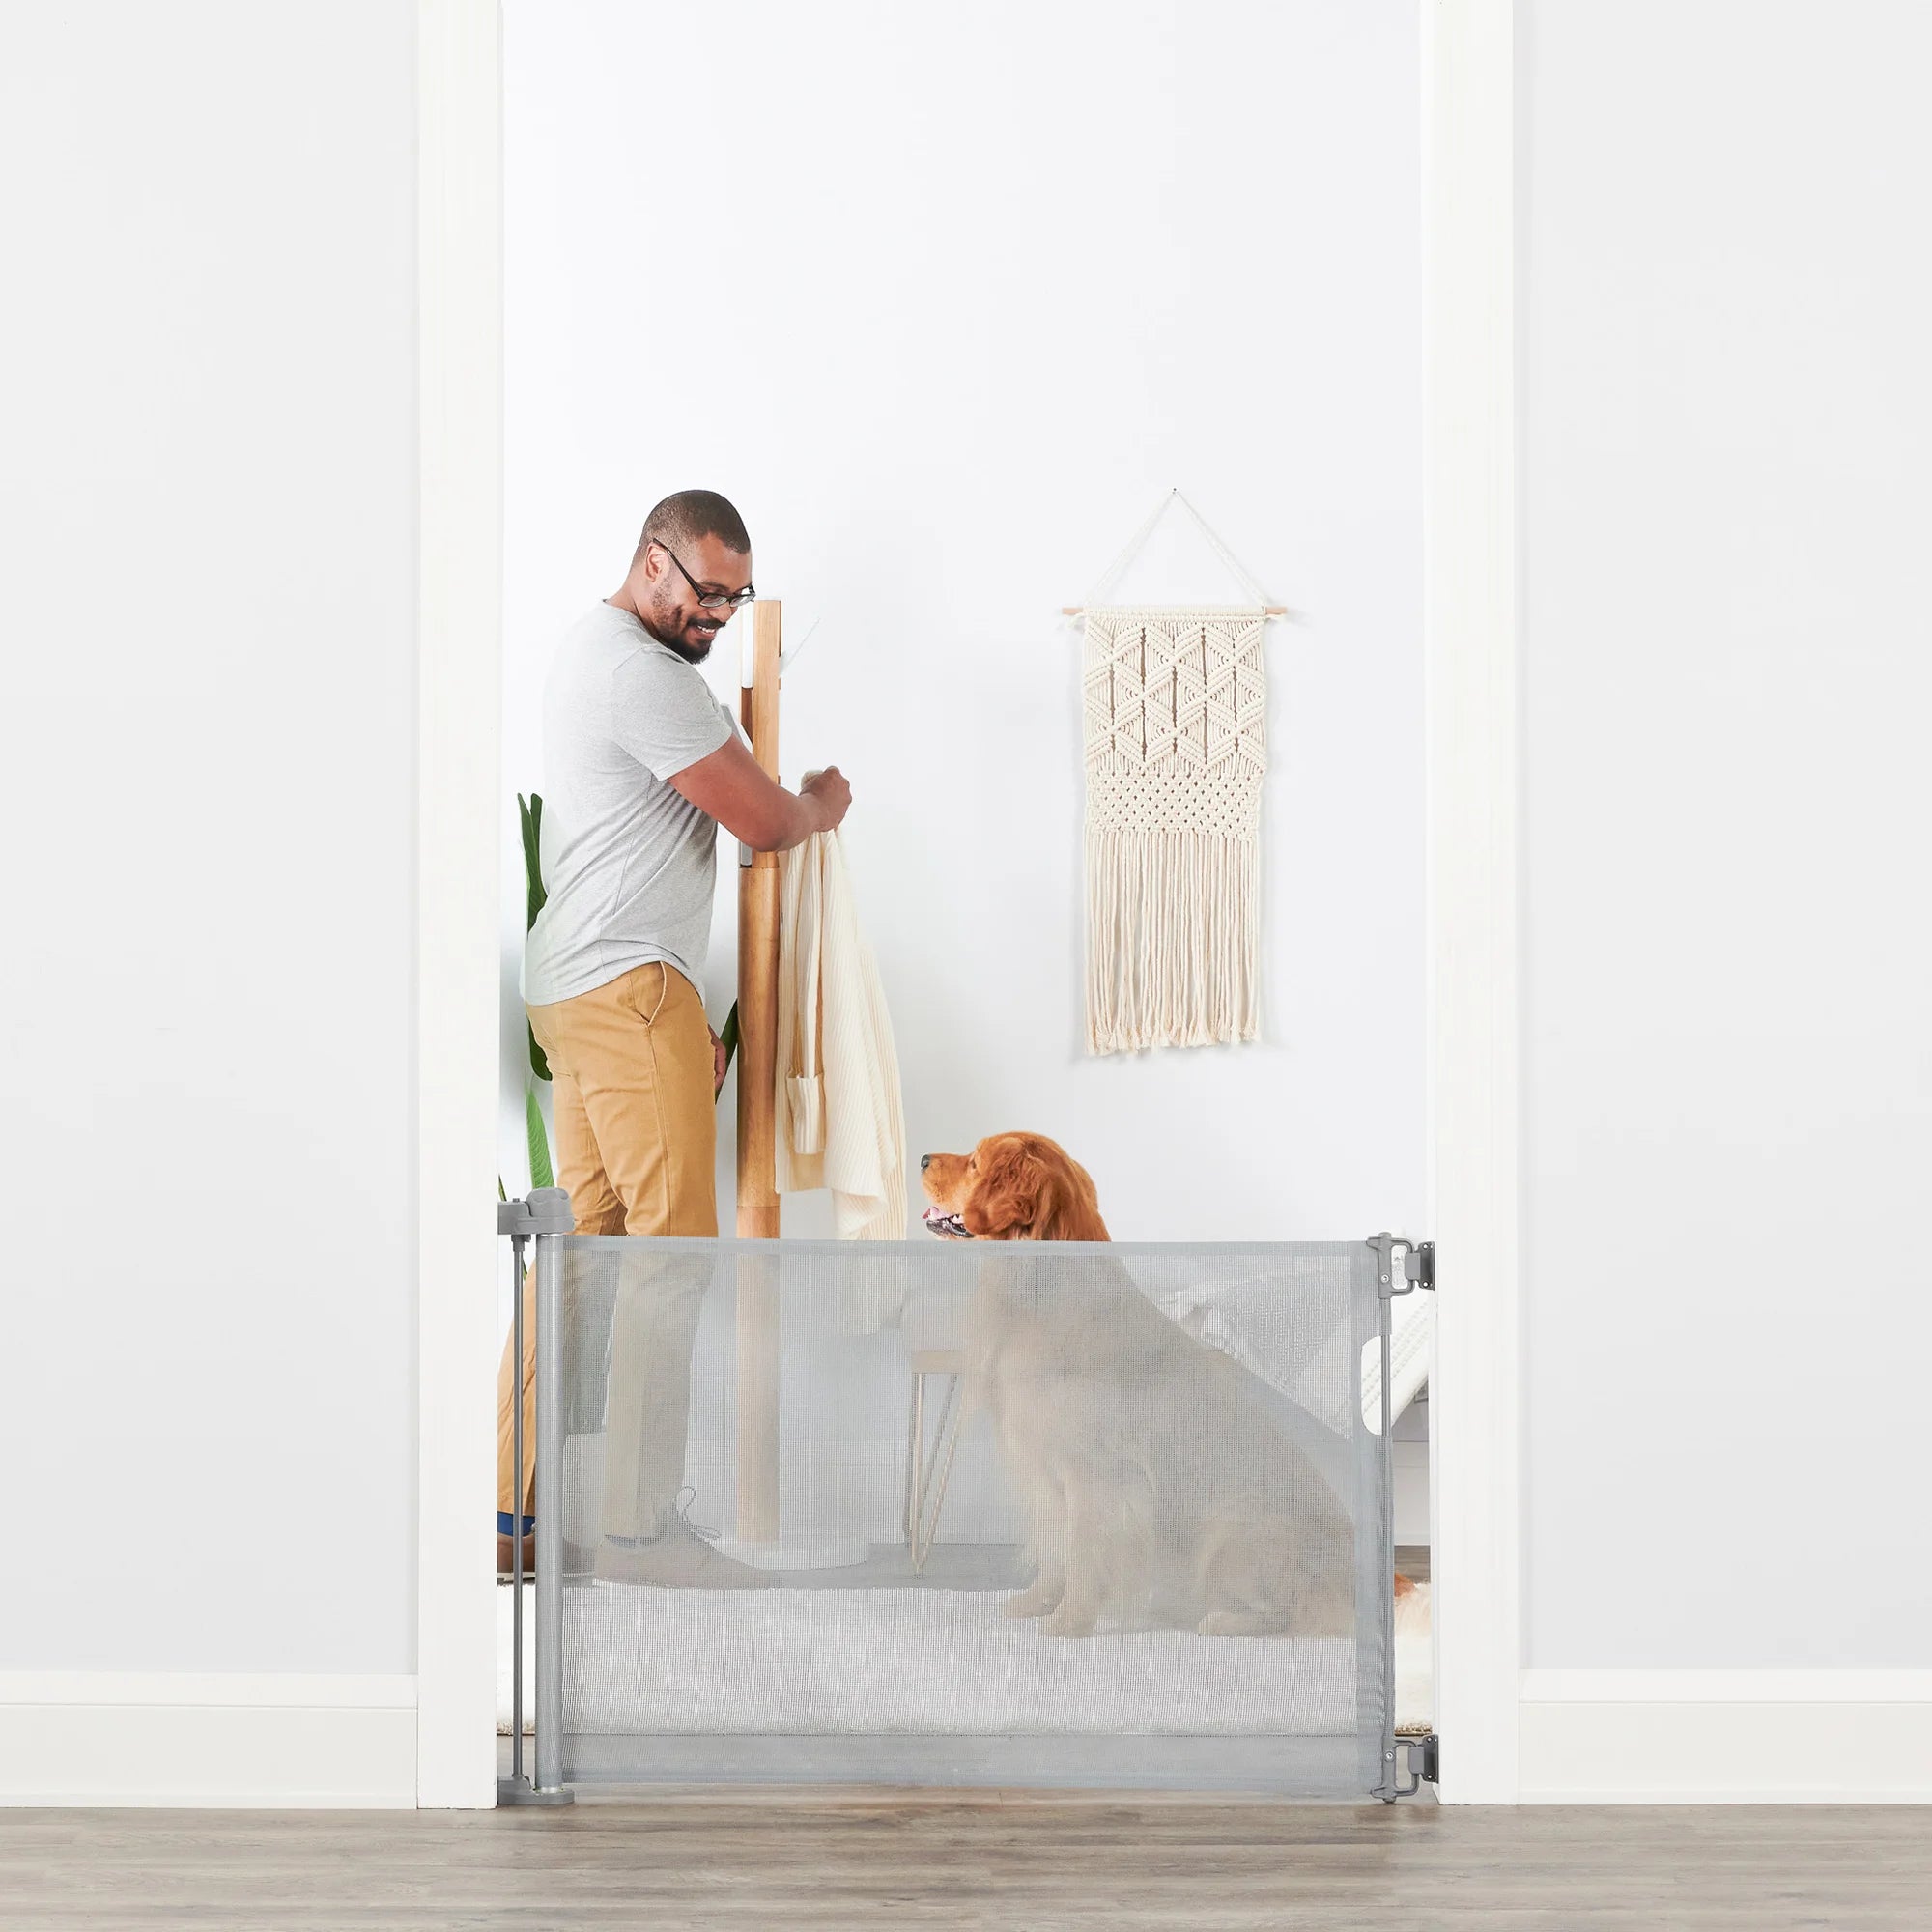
column 1067, row 1622
column 1241, row 1623
column 1031, row 1602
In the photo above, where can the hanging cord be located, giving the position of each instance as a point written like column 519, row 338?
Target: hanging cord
column 1133, row 549
column 1231, row 563
column 1227, row 557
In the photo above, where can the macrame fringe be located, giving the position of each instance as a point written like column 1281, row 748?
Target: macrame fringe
column 1173, row 939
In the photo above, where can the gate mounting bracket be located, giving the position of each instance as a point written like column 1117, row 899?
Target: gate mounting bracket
column 1418, row 1265
column 544, row 1210
column 1425, row 1762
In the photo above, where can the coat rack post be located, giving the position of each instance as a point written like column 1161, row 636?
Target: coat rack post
column 758, row 951
column 757, row 1051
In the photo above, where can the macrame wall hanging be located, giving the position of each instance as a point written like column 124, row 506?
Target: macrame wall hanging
column 1176, row 704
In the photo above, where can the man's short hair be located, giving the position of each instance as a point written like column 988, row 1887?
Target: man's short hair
column 679, row 520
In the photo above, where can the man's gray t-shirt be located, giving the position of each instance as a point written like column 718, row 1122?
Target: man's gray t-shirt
column 630, row 864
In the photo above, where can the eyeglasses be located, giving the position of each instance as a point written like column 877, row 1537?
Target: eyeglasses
column 710, row 600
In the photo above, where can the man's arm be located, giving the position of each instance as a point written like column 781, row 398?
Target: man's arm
column 730, row 785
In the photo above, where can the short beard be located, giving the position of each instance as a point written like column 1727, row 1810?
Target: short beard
column 674, row 639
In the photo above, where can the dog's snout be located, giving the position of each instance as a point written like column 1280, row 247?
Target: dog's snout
column 924, row 1161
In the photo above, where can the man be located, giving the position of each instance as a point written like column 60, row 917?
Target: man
column 641, row 765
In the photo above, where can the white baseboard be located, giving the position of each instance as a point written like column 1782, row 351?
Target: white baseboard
column 1723, row 1737
column 214, row 1739
column 1595, row 1737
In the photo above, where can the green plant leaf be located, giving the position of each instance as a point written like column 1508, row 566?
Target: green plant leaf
column 540, row 1168
column 530, row 814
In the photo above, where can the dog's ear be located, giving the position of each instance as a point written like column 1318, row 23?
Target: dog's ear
column 1069, row 1207
column 1010, row 1194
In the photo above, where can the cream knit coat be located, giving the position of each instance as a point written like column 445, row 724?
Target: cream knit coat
column 839, row 1120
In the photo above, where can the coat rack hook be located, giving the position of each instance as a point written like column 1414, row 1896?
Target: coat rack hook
column 790, row 656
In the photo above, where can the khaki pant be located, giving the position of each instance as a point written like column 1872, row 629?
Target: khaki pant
column 636, row 1135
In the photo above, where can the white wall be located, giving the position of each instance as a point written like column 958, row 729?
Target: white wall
column 206, row 474
column 945, row 298
column 1729, row 402
column 206, row 485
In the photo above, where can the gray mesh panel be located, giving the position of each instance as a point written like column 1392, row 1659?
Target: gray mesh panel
column 1150, row 1547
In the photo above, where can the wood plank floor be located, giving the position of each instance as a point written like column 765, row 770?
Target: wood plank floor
column 1000, row 1861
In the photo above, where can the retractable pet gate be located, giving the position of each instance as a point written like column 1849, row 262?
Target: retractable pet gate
column 957, row 1513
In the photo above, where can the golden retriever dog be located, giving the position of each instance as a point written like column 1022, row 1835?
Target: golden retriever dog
column 1157, row 1485
column 1012, row 1187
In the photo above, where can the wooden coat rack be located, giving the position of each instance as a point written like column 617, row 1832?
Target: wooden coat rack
column 757, row 1284
column 758, row 949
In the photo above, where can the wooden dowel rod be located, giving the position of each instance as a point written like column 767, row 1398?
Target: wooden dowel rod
column 759, row 1327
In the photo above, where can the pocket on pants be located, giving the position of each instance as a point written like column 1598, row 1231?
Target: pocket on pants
column 650, row 991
